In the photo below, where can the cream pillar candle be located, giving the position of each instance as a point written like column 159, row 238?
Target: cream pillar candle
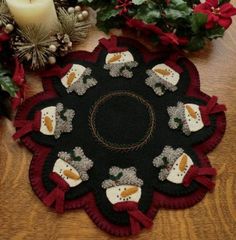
column 33, row 12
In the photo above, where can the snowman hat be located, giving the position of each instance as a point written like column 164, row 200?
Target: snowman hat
column 112, row 45
column 166, row 160
column 78, row 160
column 64, row 119
column 119, row 176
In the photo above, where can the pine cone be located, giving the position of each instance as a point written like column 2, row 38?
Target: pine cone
column 64, row 42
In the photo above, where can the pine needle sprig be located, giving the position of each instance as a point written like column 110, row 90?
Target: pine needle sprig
column 32, row 44
column 70, row 25
column 5, row 16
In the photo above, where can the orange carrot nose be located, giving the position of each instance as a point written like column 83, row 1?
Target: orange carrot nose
column 71, row 78
column 115, row 58
column 48, row 122
column 129, row 191
column 71, row 175
column 183, row 162
column 191, row 112
column 163, row 72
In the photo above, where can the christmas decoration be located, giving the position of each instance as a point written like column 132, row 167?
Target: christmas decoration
column 121, row 146
column 184, row 23
column 32, row 47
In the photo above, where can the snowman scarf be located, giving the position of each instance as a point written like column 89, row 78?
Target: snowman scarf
column 57, row 195
column 137, row 218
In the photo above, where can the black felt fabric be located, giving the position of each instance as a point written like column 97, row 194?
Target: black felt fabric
column 122, row 120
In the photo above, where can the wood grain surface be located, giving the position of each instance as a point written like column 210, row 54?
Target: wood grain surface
column 24, row 217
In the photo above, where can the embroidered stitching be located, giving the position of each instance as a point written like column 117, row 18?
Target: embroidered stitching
column 121, row 147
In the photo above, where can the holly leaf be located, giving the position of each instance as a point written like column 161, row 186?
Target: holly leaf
column 106, row 13
column 117, row 177
column 196, row 43
column 177, row 9
column 215, row 32
column 7, row 83
column 148, row 14
column 198, row 20
column 138, row 2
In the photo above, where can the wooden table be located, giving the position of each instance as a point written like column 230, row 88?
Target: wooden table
column 24, row 217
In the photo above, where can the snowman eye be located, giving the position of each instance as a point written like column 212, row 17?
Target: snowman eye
column 119, row 189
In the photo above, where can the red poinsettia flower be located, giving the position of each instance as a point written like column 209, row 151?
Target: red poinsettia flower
column 217, row 14
column 165, row 37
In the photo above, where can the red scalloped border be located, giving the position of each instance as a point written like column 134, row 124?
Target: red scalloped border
column 88, row 201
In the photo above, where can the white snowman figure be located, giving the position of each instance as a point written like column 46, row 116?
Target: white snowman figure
column 123, row 190
column 162, row 78
column 187, row 117
column 56, row 120
column 50, row 121
column 120, row 64
column 69, row 170
column 174, row 164
column 72, row 167
column 123, row 185
column 119, row 61
column 78, row 79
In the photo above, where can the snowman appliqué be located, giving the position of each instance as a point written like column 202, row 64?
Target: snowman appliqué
column 177, row 167
column 123, row 190
column 69, row 170
column 78, row 79
column 191, row 117
column 50, row 121
column 163, row 78
column 119, row 61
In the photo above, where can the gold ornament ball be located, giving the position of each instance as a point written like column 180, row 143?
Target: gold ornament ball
column 52, row 60
column 80, row 17
column 77, row 8
column 71, row 10
column 52, row 48
column 9, row 28
column 85, row 13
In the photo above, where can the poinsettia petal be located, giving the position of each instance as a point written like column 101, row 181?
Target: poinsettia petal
column 227, row 10
column 213, row 3
column 225, row 22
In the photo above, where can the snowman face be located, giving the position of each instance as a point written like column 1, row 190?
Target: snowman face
column 123, row 193
column 48, row 120
column 166, row 73
column 73, row 75
column 193, row 117
column 119, row 57
column 179, row 169
column 67, row 172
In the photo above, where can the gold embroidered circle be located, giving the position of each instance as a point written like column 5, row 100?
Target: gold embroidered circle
column 117, row 146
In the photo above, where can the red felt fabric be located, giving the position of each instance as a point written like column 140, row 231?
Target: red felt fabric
column 137, row 218
column 111, row 45
column 57, row 195
column 200, row 175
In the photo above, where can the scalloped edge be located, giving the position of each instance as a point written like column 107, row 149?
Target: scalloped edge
column 88, row 201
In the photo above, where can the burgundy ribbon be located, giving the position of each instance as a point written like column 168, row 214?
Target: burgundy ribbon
column 211, row 108
column 111, row 45
column 56, row 71
column 137, row 218
column 26, row 126
column 57, row 195
column 200, row 175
